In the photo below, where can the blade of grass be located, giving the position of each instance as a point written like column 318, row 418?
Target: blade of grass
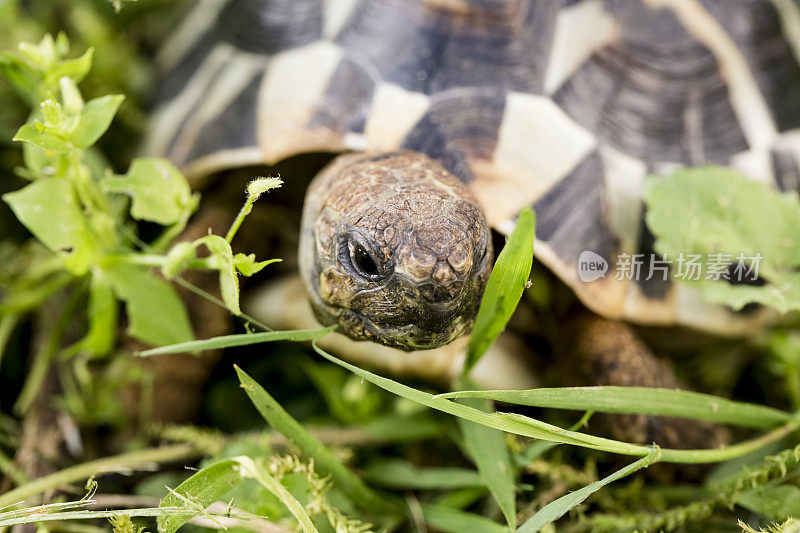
column 116, row 463
column 211, row 483
column 537, row 448
column 487, row 449
column 461, row 498
column 250, row 469
column 504, row 288
column 558, row 508
column 8, row 322
column 639, row 400
column 244, row 339
column 454, row 521
column 530, row 427
column 399, row 474
column 519, row 425
column 35, row 517
column 9, row 468
column 203, row 488
column 45, row 354
column 283, row 422
column 47, row 508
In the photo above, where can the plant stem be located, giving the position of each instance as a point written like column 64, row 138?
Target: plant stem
column 8, row 467
column 140, row 259
column 243, row 212
column 44, row 356
column 211, row 298
column 168, row 235
column 88, row 515
column 30, row 299
column 115, row 463
column 250, row 469
column 7, row 324
column 730, row 452
column 158, row 261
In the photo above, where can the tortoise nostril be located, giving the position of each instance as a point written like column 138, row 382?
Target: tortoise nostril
column 438, row 294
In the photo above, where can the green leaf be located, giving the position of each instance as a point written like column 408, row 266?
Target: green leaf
column 37, row 55
column 222, row 260
column 71, row 96
column 247, row 264
column 348, row 398
column 156, row 314
column 504, row 288
column 31, row 134
column 21, row 77
column 62, row 44
column 76, row 69
column 102, row 332
column 39, row 163
column 454, row 521
column 721, row 212
column 222, row 256
column 49, row 513
column 640, row 400
column 203, row 488
column 96, row 117
column 160, row 192
column 784, row 347
column 399, row 474
column 775, row 503
column 250, row 469
column 404, row 428
column 324, row 459
column 487, row 449
column 49, row 208
column 782, row 292
column 461, row 498
column 242, row 339
column 558, row 508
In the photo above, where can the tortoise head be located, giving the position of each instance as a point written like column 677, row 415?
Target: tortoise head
column 394, row 249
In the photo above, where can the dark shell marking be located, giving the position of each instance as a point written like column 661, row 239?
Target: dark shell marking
column 566, row 106
column 425, row 236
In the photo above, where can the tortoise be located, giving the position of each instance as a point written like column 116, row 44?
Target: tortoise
column 452, row 115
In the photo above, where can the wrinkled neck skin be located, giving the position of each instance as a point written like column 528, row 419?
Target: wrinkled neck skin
column 394, row 249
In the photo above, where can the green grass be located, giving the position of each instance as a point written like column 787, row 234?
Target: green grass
column 325, row 445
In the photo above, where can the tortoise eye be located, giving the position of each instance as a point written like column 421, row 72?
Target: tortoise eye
column 363, row 262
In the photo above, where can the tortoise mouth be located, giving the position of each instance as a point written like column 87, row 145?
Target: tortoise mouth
column 404, row 336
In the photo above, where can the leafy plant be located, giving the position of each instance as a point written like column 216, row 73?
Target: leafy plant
column 87, row 217
column 716, row 213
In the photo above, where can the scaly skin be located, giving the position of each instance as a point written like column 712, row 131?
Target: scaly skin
column 394, row 249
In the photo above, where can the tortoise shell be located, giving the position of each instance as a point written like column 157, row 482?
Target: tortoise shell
column 566, row 106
